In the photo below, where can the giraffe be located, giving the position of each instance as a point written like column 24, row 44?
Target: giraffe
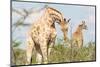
column 42, row 34
column 77, row 36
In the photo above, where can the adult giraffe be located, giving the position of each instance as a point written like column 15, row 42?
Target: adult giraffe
column 41, row 36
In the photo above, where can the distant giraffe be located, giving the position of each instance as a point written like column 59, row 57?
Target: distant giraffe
column 41, row 36
column 77, row 36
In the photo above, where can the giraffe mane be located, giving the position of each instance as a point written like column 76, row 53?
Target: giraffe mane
column 54, row 9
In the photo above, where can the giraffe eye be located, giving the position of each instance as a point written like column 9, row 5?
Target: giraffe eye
column 64, row 19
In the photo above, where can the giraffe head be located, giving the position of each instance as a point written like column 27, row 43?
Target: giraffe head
column 83, row 26
column 64, row 28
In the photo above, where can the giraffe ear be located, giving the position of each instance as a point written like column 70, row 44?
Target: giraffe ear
column 68, row 20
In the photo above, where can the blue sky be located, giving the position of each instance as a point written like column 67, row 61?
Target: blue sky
column 75, row 12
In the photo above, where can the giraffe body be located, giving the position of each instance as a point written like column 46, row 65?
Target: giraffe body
column 77, row 36
column 41, row 36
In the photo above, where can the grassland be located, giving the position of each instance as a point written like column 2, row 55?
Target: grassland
column 59, row 54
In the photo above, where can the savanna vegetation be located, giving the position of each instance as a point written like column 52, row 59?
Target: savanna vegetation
column 59, row 54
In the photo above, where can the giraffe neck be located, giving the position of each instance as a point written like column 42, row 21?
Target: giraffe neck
column 65, row 37
column 58, row 17
column 55, row 14
column 79, row 30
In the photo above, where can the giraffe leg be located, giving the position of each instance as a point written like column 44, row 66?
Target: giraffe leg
column 43, row 47
column 80, row 43
column 38, row 58
column 29, row 50
column 74, row 43
column 52, row 42
column 51, row 45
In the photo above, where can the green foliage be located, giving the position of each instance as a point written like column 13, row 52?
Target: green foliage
column 19, row 56
column 62, row 54
column 16, row 43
